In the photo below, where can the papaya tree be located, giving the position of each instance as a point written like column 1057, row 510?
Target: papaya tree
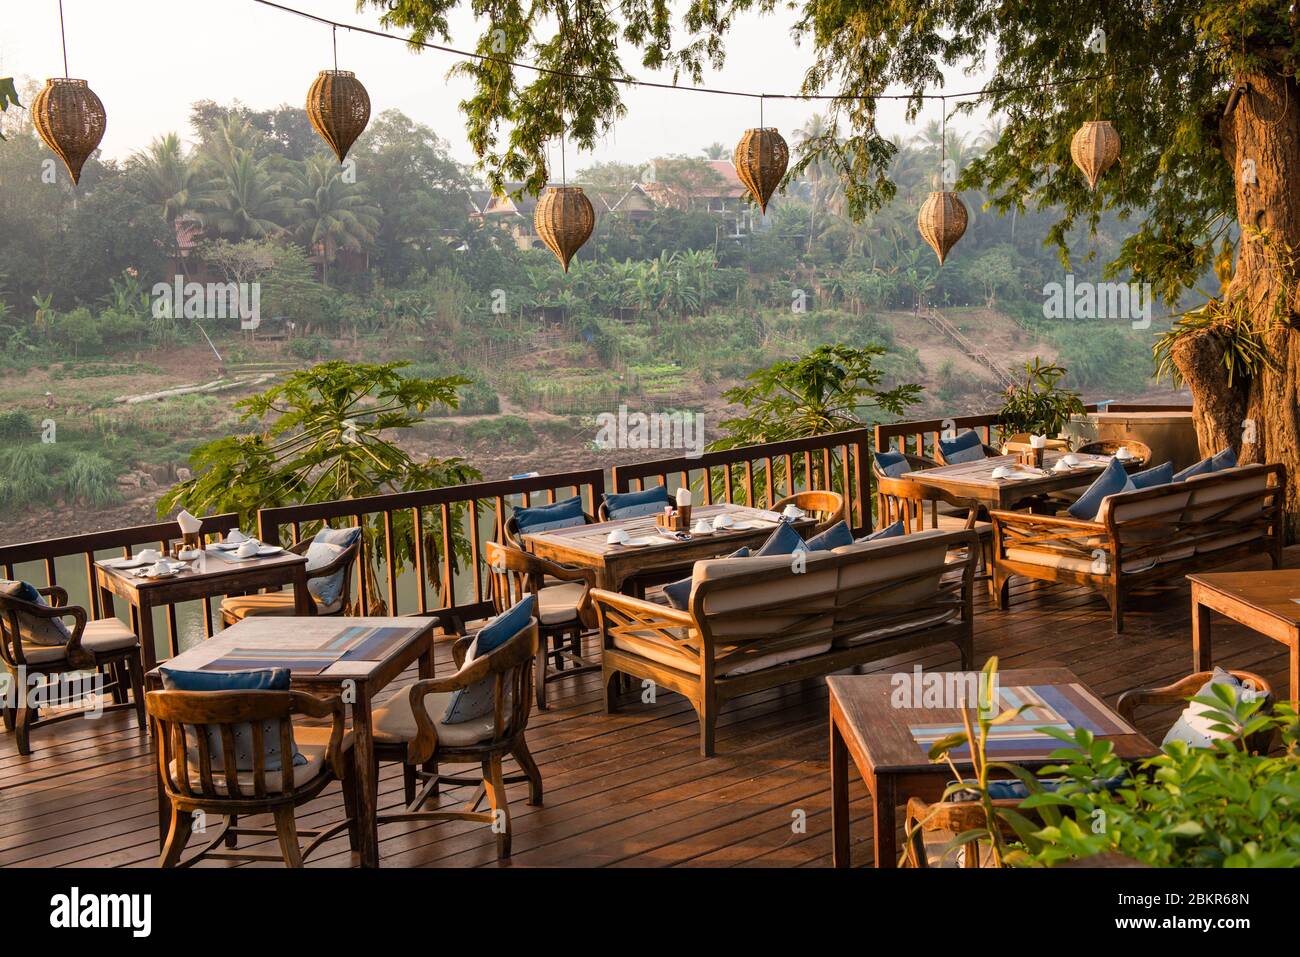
column 1202, row 93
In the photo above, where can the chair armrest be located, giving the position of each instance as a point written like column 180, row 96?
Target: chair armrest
column 638, row 607
column 1180, row 691
column 57, row 593
column 460, row 649
column 999, row 516
column 77, row 656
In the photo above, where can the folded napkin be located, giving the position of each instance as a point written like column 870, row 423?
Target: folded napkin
column 674, row 535
column 189, row 524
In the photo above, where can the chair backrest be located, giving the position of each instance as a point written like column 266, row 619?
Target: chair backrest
column 901, row 499
column 344, row 562
column 18, row 616
column 826, row 506
column 184, row 721
column 513, row 574
column 512, row 533
column 763, row 604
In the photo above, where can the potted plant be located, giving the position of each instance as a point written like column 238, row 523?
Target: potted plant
column 1041, row 406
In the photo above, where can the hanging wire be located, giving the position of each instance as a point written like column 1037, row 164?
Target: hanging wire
column 716, row 91
column 334, row 36
column 63, row 35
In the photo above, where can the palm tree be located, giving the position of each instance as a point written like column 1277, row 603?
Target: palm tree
column 327, row 213
column 716, row 151
column 165, row 176
column 241, row 199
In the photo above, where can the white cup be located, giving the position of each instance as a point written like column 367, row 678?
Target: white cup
column 149, row 555
column 1070, row 459
column 1060, row 466
column 723, row 521
column 1123, row 454
column 792, row 512
column 618, row 536
column 701, row 527
column 1002, row 471
column 246, row 549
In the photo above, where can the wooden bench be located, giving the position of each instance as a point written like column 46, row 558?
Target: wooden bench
column 1148, row 535
column 757, row 623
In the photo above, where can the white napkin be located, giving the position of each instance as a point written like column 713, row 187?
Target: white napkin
column 189, row 524
column 246, row 549
column 683, row 498
column 675, row 535
column 1037, row 441
column 235, row 536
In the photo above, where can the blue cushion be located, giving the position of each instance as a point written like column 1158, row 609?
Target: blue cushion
column 889, row 531
column 635, row 504
column 1226, row 459
column 678, row 593
column 476, row 701
column 834, row 537
column 1160, row 475
column 1112, row 480
column 51, row 632
column 326, row 546
column 966, row 447
column 783, row 541
column 541, row 518
column 266, row 679
column 893, row 464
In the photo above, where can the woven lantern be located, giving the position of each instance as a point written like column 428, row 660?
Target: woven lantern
column 942, row 221
column 564, row 219
column 1094, row 149
column 339, row 109
column 761, row 157
column 71, row 121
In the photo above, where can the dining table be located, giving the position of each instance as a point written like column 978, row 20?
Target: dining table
column 214, row 572
column 975, row 479
column 356, row 657
column 647, row 550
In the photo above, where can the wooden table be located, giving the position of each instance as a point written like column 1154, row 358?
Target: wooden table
column 359, row 678
column 866, row 725
column 1264, row 601
column 974, row 480
column 586, row 545
column 209, row 575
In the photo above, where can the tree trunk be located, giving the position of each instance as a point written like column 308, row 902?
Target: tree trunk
column 1259, row 417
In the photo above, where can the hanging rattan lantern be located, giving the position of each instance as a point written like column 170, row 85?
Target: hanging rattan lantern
column 761, row 157
column 564, row 219
column 339, row 109
column 1094, row 149
column 942, row 221
column 71, row 121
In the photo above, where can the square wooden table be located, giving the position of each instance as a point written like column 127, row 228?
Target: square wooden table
column 974, row 480
column 321, row 660
column 879, row 736
column 1266, row 601
column 586, row 545
column 211, row 574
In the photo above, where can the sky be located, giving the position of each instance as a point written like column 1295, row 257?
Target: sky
column 148, row 60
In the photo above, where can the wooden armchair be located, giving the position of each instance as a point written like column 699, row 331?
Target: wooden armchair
column 193, row 779
column 563, row 609
column 410, row 729
column 1182, row 690
column 941, row 822
column 281, row 602
column 827, row 507
column 106, row 646
column 513, row 535
column 901, row 499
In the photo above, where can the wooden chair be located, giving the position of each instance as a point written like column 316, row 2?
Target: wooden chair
column 193, row 779
column 563, row 609
column 1182, row 690
column 901, row 499
column 106, row 646
column 409, row 729
column 827, row 507
column 1139, row 449
column 929, row 828
column 281, row 602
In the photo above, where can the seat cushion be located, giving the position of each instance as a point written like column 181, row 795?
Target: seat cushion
column 557, row 604
column 1071, row 561
column 470, row 704
column 394, row 722
column 325, row 547
column 273, row 603
column 733, row 659
column 897, row 628
column 313, row 743
column 101, row 637
column 1194, row 726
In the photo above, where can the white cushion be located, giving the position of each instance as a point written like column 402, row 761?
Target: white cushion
column 557, row 604
column 897, row 628
column 100, row 637
column 394, row 722
column 1193, row 726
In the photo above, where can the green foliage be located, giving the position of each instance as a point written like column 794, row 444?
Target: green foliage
column 1040, row 406
column 33, row 473
column 1244, row 352
column 8, row 95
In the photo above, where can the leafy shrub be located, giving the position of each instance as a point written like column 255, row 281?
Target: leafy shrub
column 89, row 479
column 16, row 424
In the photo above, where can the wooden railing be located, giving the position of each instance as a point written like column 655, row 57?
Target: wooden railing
column 88, row 547
column 449, row 525
column 759, row 475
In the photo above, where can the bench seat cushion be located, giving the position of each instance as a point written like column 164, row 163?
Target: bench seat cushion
column 897, row 628
column 739, row 658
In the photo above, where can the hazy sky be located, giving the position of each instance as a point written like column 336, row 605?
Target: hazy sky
column 150, row 59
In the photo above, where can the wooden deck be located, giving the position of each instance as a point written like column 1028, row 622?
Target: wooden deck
column 631, row 789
